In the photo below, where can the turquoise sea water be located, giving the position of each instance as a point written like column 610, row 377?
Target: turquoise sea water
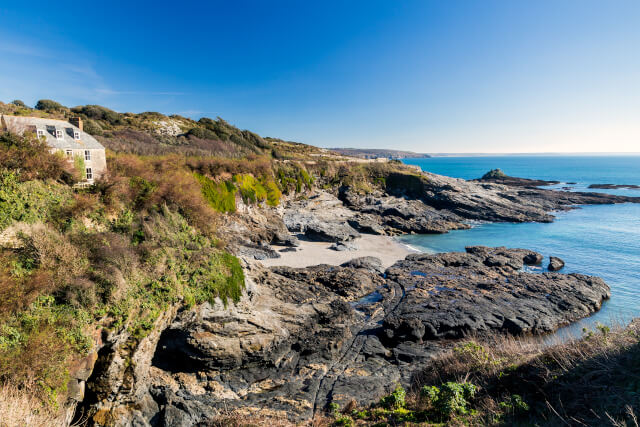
column 596, row 240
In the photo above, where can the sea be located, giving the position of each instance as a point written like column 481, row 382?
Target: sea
column 599, row 240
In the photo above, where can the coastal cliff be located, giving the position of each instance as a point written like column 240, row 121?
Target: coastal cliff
column 157, row 297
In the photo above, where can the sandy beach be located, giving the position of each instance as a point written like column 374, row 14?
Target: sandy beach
column 313, row 253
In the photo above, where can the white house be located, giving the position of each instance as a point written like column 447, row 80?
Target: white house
column 67, row 137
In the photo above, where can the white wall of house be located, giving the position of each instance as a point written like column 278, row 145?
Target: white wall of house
column 95, row 161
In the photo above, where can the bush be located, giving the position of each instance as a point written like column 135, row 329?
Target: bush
column 32, row 159
column 145, row 184
column 31, row 201
column 37, row 344
column 49, row 105
column 294, row 178
column 92, row 128
column 19, row 103
column 97, row 112
column 395, row 400
column 450, row 398
column 202, row 133
column 514, row 404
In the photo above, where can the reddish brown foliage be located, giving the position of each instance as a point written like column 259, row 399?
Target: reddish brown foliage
column 149, row 182
column 17, row 292
column 33, row 159
column 141, row 143
column 256, row 165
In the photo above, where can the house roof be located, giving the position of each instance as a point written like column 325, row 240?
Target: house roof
column 19, row 125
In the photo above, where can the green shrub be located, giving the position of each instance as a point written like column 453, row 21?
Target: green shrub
column 37, row 344
column 31, row 201
column 273, row 193
column 100, row 113
column 250, row 188
column 395, row 400
column 220, row 196
column 48, row 104
column 92, row 127
column 294, row 177
column 143, row 190
column 202, row 133
column 79, row 165
column 450, row 398
column 514, row 404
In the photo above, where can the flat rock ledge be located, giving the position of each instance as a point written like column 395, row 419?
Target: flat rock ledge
column 302, row 338
column 485, row 290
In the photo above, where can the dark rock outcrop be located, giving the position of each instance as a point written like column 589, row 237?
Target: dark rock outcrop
column 484, row 290
column 498, row 177
column 555, row 264
column 253, row 251
column 533, row 259
column 367, row 262
column 615, row 186
column 330, row 232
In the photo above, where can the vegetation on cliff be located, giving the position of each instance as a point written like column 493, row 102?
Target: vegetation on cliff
column 113, row 257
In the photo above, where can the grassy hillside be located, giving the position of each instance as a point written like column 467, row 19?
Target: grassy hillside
column 152, row 133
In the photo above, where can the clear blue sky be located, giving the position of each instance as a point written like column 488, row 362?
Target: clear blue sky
column 445, row 76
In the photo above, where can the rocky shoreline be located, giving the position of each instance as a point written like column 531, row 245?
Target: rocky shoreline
column 302, row 338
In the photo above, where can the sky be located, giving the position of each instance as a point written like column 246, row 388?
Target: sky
column 428, row 76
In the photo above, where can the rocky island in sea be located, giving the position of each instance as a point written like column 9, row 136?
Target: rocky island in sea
column 215, row 277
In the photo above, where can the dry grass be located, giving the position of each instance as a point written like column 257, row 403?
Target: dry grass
column 21, row 407
column 242, row 419
column 580, row 382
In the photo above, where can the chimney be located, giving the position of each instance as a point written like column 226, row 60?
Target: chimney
column 77, row 122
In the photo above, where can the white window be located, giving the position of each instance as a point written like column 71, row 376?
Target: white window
column 76, row 135
column 58, row 134
column 40, row 133
column 89, row 174
column 87, row 155
column 69, row 153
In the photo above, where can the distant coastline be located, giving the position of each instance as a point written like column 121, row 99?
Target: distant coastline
column 374, row 153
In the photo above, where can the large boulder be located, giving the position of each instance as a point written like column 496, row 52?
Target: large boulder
column 367, row 262
column 330, row 232
column 555, row 264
